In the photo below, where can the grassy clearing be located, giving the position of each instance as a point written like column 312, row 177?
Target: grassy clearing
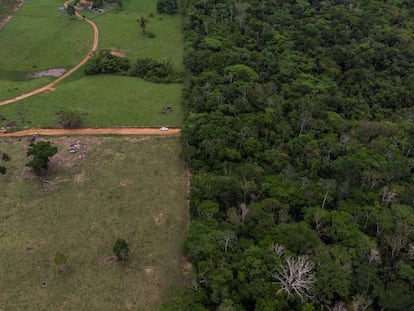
column 10, row 89
column 131, row 188
column 103, row 101
column 120, row 30
column 39, row 37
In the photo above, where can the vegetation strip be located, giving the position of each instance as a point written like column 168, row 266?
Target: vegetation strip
column 49, row 87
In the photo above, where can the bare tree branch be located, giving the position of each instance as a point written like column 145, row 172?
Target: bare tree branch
column 296, row 277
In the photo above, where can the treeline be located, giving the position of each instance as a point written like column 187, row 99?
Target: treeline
column 104, row 62
column 300, row 138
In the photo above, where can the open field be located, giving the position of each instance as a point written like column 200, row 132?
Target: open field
column 128, row 187
column 120, row 30
column 39, row 37
column 10, row 89
column 104, row 101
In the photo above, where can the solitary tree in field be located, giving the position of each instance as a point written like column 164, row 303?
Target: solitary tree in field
column 70, row 119
column 59, row 261
column 41, row 152
column 121, row 250
column 70, row 9
column 142, row 21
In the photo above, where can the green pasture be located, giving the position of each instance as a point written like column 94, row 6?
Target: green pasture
column 113, row 187
column 10, row 89
column 40, row 37
column 119, row 30
column 103, row 101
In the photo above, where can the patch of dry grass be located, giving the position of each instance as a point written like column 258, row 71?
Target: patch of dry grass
column 115, row 187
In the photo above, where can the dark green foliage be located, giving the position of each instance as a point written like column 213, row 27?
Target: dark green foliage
column 167, row 6
column 70, row 119
column 105, row 62
column 121, row 250
column 59, row 261
column 5, row 157
column 300, row 139
column 70, row 9
column 142, row 21
column 41, row 152
column 155, row 71
column 3, row 169
column 6, row 7
column 98, row 3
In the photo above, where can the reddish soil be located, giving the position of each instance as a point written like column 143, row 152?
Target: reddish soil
column 96, row 131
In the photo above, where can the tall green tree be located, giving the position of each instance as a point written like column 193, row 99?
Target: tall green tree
column 41, row 153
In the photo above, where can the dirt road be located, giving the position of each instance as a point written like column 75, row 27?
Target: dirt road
column 49, row 87
column 96, row 131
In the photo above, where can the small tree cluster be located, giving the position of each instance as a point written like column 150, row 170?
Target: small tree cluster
column 70, row 119
column 41, row 152
column 5, row 158
column 152, row 70
column 105, row 62
column 167, row 6
column 121, row 250
column 70, row 9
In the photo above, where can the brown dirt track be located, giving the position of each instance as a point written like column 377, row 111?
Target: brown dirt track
column 96, row 131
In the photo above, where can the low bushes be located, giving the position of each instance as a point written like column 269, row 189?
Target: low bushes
column 105, row 62
column 145, row 68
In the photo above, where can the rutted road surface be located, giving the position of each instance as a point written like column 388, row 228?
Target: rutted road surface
column 96, row 131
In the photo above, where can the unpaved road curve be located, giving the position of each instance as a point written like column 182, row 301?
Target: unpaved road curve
column 50, row 86
column 96, row 131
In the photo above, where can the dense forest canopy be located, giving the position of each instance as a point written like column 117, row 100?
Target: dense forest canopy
column 300, row 137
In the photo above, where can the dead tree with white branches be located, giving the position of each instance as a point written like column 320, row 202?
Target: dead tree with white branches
column 295, row 277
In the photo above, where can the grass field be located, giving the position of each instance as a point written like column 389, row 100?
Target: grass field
column 10, row 89
column 39, row 37
column 103, row 100
column 133, row 103
column 131, row 188
column 120, row 31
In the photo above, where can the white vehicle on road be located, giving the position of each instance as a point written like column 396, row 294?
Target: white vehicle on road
column 164, row 128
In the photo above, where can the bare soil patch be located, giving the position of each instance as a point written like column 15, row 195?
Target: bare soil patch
column 55, row 72
column 118, row 53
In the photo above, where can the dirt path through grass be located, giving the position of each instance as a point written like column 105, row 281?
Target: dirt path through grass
column 96, row 131
column 50, row 87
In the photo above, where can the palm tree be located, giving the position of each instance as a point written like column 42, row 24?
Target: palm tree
column 143, row 23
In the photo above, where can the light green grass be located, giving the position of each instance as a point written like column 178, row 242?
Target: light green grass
column 10, row 89
column 131, row 188
column 40, row 37
column 103, row 101
column 120, row 30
